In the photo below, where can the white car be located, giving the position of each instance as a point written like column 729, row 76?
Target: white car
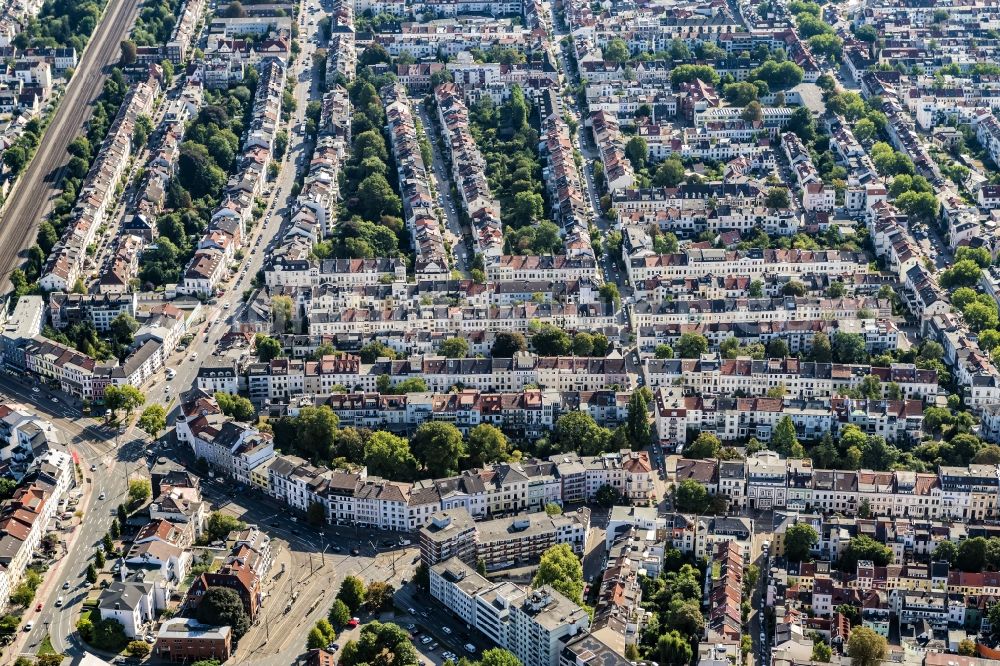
column 102, row 496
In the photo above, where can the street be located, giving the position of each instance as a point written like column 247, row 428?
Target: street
column 442, row 184
column 95, row 446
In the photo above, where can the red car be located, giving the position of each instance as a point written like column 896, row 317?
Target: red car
column 38, row 608
column 353, row 623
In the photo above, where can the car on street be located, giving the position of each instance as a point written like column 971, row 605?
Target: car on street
column 38, row 608
column 446, row 630
column 66, row 585
column 102, row 496
column 34, row 389
column 93, row 468
column 29, row 625
column 355, row 552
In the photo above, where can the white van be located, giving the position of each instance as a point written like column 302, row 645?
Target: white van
column 171, row 373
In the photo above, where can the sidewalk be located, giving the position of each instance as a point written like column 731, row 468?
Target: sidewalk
column 53, row 576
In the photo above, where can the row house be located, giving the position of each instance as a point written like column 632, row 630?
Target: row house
column 611, row 145
column 418, row 205
column 342, row 59
column 711, row 375
column 98, row 309
column 754, row 263
column 462, row 319
column 66, row 262
column 557, row 267
column 230, row 220
column 754, row 311
column 468, row 171
column 282, row 271
column 452, row 8
column 879, row 334
column 571, row 207
column 429, row 40
column 26, row 516
column 765, row 480
column 282, row 378
column 679, row 419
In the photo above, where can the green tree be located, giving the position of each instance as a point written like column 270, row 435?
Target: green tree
column 268, row 348
column 553, row 509
column 222, row 606
column 799, row 540
column 561, row 568
column 236, row 406
column 849, row 348
column 379, row 644
column 499, row 657
column 454, row 347
column 784, row 439
column 220, row 525
column 777, row 197
column 945, row 551
column 740, row 93
column 139, row 649
column 378, row 596
column 339, row 614
column 963, row 273
column 866, row 648
column 706, row 445
column 639, row 430
column 583, row 344
column 578, row 431
column 821, row 652
column 505, row 345
column 669, row 173
column 691, row 497
column 316, row 514
column 153, row 420
column 352, row 593
column 139, row 491
column 389, row 456
column 125, row 397
column 616, row 50
column 692, row 345
column 315, row 639
column 551, row 341
column 673, row 649
column 637, row 151
column 439, row 447
column 862, row 547
column 663, row 351
column 972, row 554
column 486, row 444
column 607, row 496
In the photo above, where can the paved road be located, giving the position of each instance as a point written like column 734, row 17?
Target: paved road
column 222, row 315
column 96, row 446
column 32, row 195
column 441, row 177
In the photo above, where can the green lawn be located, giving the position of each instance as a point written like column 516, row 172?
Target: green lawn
column 46, row 647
